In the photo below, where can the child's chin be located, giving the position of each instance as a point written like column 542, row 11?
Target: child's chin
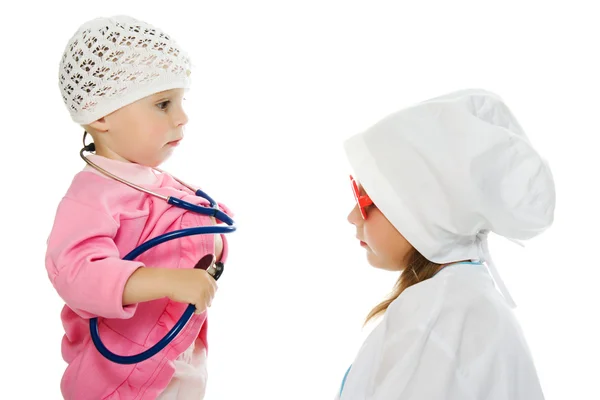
column 380, row 264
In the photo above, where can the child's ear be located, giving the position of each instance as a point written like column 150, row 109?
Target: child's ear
column 100, row 125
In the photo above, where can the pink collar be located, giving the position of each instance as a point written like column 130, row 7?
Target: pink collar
column 132, row 172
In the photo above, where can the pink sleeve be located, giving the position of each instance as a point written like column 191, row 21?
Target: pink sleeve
column 84, row 264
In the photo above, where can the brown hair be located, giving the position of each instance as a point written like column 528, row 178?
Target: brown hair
column 418, row 269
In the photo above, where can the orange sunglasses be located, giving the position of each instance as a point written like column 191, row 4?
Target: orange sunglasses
column 363, row 201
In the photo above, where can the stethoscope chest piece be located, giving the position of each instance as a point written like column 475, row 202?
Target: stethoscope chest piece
column 208, row 263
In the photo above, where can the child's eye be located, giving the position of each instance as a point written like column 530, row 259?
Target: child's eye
column 163, row 105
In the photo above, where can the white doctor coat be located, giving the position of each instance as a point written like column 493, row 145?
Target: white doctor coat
column 452, row 337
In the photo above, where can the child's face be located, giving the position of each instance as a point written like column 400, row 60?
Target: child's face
column 144, row 132
column 386, row 247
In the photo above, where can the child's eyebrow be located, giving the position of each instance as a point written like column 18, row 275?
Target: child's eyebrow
column 166, row 95
column 162, row 95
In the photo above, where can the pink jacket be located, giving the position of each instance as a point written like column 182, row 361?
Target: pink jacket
column 97, row 223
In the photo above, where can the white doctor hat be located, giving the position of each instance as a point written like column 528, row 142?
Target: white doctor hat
column 449, row 170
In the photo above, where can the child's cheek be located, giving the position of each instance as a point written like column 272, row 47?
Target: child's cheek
column 159, row 132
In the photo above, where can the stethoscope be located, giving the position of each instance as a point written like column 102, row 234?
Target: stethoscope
column 215, row 269
column 445, row 266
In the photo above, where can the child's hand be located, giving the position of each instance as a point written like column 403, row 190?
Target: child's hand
column 193, row 286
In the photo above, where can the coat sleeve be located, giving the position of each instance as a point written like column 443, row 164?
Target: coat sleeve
column 417, row 365
column 84, row 264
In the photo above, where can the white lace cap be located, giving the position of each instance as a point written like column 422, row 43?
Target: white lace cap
column 112, row 62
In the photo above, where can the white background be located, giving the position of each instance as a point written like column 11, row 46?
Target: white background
column 277, row 87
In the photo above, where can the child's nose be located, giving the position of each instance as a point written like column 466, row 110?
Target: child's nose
column 354, row 217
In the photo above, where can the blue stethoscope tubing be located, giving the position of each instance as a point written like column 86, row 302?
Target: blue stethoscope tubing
column 212, row 211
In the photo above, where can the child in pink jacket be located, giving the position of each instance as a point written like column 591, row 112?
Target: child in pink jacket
column 123, row 80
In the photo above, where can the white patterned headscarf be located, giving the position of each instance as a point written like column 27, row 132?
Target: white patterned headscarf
column 112, row 62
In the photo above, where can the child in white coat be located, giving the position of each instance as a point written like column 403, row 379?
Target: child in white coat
column 431, row 182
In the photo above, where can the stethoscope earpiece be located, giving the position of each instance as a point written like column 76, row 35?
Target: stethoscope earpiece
column 90, row 148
